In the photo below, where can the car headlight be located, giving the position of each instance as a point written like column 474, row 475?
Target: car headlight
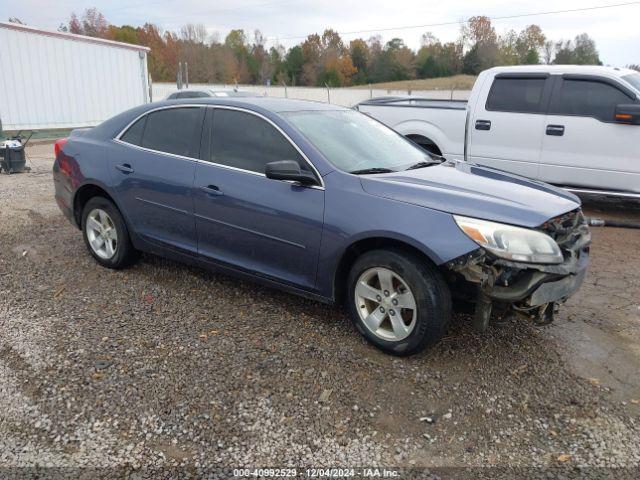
column 513, row 243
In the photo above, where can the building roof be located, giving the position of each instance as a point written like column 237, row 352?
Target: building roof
column 71, row 36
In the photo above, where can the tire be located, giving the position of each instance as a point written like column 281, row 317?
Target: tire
column 423, row 326
column 121, row 253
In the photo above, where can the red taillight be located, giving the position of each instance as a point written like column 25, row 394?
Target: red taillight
column 58, row 145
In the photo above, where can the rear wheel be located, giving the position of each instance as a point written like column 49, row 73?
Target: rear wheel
column 105, row 234
column 425, row 143
column 398, row 301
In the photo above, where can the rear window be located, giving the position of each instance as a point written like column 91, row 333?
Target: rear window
column 173, row 130
column 521, row 95
column 134, row 134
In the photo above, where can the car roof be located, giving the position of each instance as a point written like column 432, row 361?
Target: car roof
column 560, row 69
column 272, row 104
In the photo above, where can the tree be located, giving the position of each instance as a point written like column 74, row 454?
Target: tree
column 125, row 33
column 74, row 25
column 580, row 52
column 484, row 51
column 549, row 49
column 259, row 64
column 94, row 24
column 436, row 60
column 564, row 53
column 15, row 20
column 585, row 52
column 360, row 56
column 395, row 62
column 236, row 41
column 293, row 63
column 325, row 58
column 529, row 44
column 194, row 33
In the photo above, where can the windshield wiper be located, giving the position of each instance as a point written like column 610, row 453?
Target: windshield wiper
column 423, row 164
column 365, row 171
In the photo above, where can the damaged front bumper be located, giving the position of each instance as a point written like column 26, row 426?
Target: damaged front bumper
column 533, row 289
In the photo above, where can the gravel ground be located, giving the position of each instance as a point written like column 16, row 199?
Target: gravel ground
column 172, row 367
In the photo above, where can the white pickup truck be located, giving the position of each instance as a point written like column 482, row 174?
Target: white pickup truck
column 573, row 126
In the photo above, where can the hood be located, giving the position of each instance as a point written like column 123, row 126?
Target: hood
column 471, row 190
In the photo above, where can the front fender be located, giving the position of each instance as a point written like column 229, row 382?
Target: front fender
column 352, row 215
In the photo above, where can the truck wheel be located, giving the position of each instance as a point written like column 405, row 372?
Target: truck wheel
column 105, row 234
column 398, row 301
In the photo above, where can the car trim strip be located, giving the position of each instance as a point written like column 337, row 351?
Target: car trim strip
column 162, row 205
column 118, row 139
column 248, row 230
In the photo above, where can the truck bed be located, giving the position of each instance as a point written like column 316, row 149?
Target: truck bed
column 436, row 125
column 417, row 102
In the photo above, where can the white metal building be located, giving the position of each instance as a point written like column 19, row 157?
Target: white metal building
column 52, row 79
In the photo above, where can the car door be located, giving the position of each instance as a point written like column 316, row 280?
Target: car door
column 153, row 165
column 583, row 146
column 506, row 131
column 269, row 227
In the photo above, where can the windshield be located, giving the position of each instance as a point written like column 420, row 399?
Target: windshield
column 353, row 142
column 633, row 79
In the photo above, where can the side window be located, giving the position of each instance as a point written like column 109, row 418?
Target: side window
column 174, row 130
column 588, row 98
column 245, row 141
column 173, row 96
column 134, row 134
column 521, row 95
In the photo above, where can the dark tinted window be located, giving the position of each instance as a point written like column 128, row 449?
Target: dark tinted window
column 589, row 99
column 243, row 140
column 174, row 130
column 134, row 134
column 173, row 96
column 516, row 95
column 193, row 95
column 633, row 79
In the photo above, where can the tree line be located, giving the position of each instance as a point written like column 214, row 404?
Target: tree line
column 326, row 59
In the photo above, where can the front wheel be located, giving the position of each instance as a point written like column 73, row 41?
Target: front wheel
column 398, row 301
column 105, row 234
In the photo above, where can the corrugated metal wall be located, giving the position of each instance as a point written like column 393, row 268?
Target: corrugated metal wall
column 52, row 81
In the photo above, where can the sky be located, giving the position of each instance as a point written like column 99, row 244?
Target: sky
column 287, row 22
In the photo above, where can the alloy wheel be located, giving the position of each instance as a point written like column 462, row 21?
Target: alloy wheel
column 385, row 304
column 101, row 233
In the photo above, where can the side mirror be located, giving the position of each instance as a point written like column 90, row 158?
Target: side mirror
column 289, row 170
column 628, row 114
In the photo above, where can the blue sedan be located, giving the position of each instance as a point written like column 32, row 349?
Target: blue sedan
column 327, row 203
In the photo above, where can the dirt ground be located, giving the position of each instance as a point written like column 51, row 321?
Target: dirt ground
column 167, row 366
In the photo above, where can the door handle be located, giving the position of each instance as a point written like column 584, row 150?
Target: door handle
column 555, row 130
column 124, row 168
column 211, row 190
column 483, row 124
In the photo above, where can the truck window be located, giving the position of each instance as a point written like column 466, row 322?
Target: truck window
column 521, row 95
column 588, row 98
